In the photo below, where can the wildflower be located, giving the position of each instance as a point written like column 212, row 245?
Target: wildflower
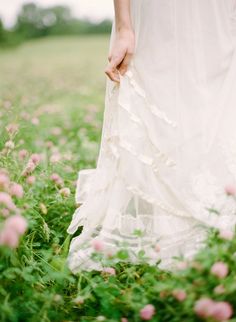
column 55, row 177
column 30, row 167
column 16, row 223
column 36, row 158
column 10, row 145
column 109, row 270
column 9, row 237
column 230, row 190
column 6, row 200
column 78, row 300
column 22, row 154
column 65, row 192
column 204, row 307
column 5, row 212
column 179, row 294
column 12, row 128
column 30, row 180
column 56, row 157
column 97, row 244
column 222, row 311
column 226, row 234
column 219, row 311
column 4, row 180
column 220, row 269
column 16, row 190
column 147, row 312
column 35, row 121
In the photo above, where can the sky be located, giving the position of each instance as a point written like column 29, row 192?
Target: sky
column 93, row 9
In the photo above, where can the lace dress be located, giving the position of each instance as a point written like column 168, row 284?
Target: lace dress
column 168, row 146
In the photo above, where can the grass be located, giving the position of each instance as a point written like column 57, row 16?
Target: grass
column 53, row 91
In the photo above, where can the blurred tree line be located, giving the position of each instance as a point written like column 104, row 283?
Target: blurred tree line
column 34, row 22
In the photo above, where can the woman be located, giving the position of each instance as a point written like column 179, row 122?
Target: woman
column 168, row 148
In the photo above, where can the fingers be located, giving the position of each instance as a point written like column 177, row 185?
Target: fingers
column 116, row 66
column 111, row 69
column 112, row 72
column 125, row 63
column 114, row 61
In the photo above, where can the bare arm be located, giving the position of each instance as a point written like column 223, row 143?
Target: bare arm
column 122, row 15
column 123, row 47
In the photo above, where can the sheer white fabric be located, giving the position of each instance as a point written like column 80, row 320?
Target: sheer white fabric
column 168, row 143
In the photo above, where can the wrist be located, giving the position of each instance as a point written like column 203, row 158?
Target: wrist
column 122, row 29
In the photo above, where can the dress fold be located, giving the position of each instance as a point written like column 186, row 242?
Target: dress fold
column 168, row 145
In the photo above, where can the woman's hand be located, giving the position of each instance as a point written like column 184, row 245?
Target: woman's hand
column 121, row 54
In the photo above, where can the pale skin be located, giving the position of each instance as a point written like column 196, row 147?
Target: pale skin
column 122, row 50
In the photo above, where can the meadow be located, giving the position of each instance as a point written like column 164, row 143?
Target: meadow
column 51, row 111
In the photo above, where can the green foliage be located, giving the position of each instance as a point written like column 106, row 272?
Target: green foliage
column 8, row 38
column 35, row 22
column 2, row 33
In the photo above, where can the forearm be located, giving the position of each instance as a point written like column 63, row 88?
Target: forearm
column 122, row 15
column 122, row 49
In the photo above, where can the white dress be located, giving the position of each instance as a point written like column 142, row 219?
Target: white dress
column 168, row 145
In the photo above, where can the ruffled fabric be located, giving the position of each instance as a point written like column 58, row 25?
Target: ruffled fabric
column 127, row 191
column 168, row 146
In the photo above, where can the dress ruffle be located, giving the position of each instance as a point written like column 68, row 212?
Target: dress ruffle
column 131, row 187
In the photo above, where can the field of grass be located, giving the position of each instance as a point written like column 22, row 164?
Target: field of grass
column 53, row 91
column 51, row 109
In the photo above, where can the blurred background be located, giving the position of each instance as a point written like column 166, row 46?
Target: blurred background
column 52, row 87
column 21, row 20
column 52, row 59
